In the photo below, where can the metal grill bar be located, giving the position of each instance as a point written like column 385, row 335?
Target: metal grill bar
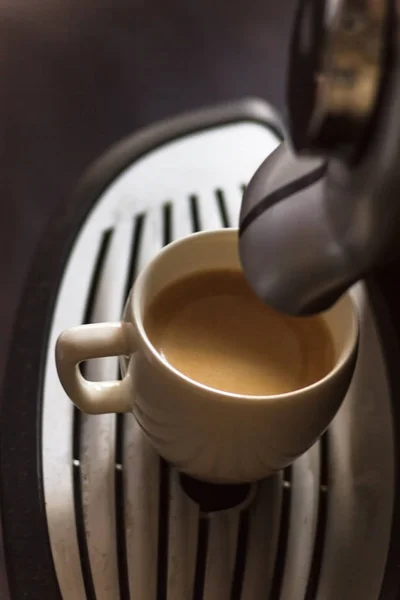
column 264, row 521
column 279, row 567
column 120, row 441
column 241, row 556
column 304, row 520
column 315, row 571
column 101, row 500
column 201, row 558
column 79, row 428
column 184, row 537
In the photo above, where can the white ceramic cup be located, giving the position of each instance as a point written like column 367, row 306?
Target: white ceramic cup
column 213, row 435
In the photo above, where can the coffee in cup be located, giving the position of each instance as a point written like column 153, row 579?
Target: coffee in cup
column 212, row 328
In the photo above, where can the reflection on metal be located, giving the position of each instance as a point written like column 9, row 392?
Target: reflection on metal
column 340, row 47
column 352, row 61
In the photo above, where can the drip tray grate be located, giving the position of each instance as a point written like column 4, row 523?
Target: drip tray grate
column 122, row 523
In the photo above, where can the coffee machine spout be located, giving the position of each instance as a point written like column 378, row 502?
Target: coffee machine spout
column 322, row 211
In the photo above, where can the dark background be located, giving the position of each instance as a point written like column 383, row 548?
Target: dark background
column 77, row 75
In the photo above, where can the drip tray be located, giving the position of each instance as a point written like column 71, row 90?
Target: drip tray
column 176, row 537
column 121, row 522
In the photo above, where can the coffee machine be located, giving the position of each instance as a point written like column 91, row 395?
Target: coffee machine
column 89, row 511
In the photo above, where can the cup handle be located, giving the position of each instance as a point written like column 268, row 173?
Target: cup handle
column 95, row 341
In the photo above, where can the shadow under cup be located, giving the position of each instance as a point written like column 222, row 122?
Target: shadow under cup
column 216, row 436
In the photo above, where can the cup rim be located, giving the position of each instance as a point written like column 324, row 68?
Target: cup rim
column 133, row 306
